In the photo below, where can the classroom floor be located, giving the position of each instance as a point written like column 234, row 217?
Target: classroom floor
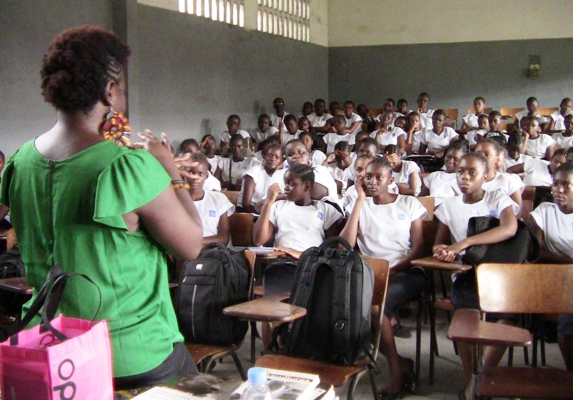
column 449, row 377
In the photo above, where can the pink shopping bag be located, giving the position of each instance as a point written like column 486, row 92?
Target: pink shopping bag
column 41, row 367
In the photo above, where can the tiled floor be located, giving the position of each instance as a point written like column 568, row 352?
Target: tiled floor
column 449, row 377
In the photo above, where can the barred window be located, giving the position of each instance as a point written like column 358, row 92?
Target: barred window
column 288, row 18
column 229, row 11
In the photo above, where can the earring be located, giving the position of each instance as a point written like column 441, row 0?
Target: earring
column 115, row 128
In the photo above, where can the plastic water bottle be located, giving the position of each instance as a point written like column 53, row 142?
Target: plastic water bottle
column 257, row 389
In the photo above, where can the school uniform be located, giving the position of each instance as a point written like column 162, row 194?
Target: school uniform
column 317, row 121
column 226, row 136
column 389, row 137
column 276, row 120
column 416, row 140
column 332, row 138
column 231, row 171
column 317, row 157
column 338, row 174
column 212, row 183
column 471, row 120
column 510, row 162
column 301, row 227
column 259, row 156
column 261, row 179
column 442, row 185
column 286, row 137
column 321, row 176
column 537, row 172
column 565, row 142
column 471, row 136
column 426, row 119
column 349, row 121
column 538, row 147
column 525, row 113
column 559, row 120
column 259, row 136
column 408, row 168
column 436, row 143
column 210, row 208
column 213, row 162
column 505, row 183
column 351, row 195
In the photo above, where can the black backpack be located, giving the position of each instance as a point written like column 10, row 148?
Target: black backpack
column 218, row 278
column 12, row 266
column 336, row 288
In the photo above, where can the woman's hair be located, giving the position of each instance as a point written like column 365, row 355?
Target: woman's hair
column 304, row 134
column 274, row 146
column 560, row 152
column 531, row 100
column 479, row 157
column 79, row 64
column 234, row 116
column 391, row 149
column 342, row 146
column 236, row 137
column 201, row 159
column 565, row 167
column 439, row 112
column 293, row 141
column 289, row 118
column 461, row 145
column 367, row 141
column 496, row 145
column 367, row 156
column 269, row 141
column 262, row 116
column 304, row 172
column 186, row 143
column 208, row 137
column 382, row 162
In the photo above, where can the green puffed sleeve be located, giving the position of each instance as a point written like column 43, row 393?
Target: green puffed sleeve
column 6, row 179
column 132, row 180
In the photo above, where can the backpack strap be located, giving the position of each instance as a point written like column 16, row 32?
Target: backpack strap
column 341, row 304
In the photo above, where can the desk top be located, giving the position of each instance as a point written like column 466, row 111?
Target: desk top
column 434, row 263
column 266, row 309
column 17, row 285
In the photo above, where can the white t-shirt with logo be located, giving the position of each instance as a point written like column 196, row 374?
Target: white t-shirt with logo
column 538, row 147
column 261, row 180
column 442, row 185
column 537, row 172
column 436, row 143
column 504, row 182
column 234, row 169
column 557, row 228
column 390, row 137
column 408, row 168
column 211, row 208
column 318, row 121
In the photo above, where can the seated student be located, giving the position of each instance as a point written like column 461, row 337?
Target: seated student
column 353, row 120
column 334, row 108
column 425, row 113
column 532, row 106
column 494, row 120
column 509, row 184
column 233, row 124
column 256, row 179
column 514, row 157
column 264, row 145
column 388, row 134
column 435, row 139
column 536, row 144
column 191, row 146
column 324, row 185
column 552, row 226
column 557, row 123
column 404, row 173
column 564, row 138
column 569, row 155
column 359, row 172
column 337, row 163
column 230, row 169
column 208, row 146
column 264, row 129
column 306, row 110
column 289, row 129
column 319, row 119
column 470, row 121
column 317, row 157
column 277, row 117
column 389, row 226
column 340, row 133
column 414, row 131
column 400, row 122
column 366, row 145
column 390, row 105
column 475, row 135
column 539, row 172
column 402, row 107
column 304, row 124
column 452, row 240
column 368, row 121
column 443, row 184
column 297, row 222
column 214, row 208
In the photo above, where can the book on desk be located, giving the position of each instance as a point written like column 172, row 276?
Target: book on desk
column 288, row 385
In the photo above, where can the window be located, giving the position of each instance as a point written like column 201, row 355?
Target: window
column 288, row 18
column 229, row 11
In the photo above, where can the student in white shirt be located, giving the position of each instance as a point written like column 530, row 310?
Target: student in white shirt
column 557, row 123
column 514, row 157
column 359, row 166
column 297, row 222
column 532, row 106
column 564, row 138
column 230, row 169
column 405, row 173
column 444, row 184
column 367, row 145
column 402, row 107
column 306, row 110
column 208, row 147
column 277, row 118
column 470, row 121
column 353, row 120
column 426, row 121
column 388, row 134
column 233, row 124
column 319, row 119
column 317, row 157
column 414, row 132
column 535, row 143
column 191, row 146
column 289, row 130
column 509, row 184
column 552, row 226
column 476, row 134
column 214, row 208
column 340, row 133
column 540, row 172
column 434, row 140
column 451, row 240
column 337, row 163
column 264, row 129
column 389, row 226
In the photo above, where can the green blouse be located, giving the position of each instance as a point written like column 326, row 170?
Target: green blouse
column 69, row 213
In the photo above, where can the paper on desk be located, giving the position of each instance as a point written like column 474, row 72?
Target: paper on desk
column 164, row 393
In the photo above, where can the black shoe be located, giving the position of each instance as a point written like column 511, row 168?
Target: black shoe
column 411, row 382
column 383, row 395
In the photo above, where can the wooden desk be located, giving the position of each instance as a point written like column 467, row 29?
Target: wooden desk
column 17, row 285
column 266, row 309
column 434, row 263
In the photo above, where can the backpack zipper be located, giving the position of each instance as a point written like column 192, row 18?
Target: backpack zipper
column 193, row 311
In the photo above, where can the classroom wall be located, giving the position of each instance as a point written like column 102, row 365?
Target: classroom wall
column 453, row 73
column 393, row 22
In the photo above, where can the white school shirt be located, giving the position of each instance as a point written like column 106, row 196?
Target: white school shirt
column 455, row 214
column 385, row 228
column 338, row 174
column 442, row 185
column 226, row 136
column 564, row 141
column 349, row 121
column 436, row 143
column 236, row 168
column 510, row 162
column 426, row 120
column 261, row 180
column 321, row 176
column 259, row 136
column 332, row 138
column 389, row 137
column 213, row 162
column 538, row 147
column 408, row 168
column 212, row 183
column 559, row 120
column 259, row 156
column 537, row 172
column 521, row 114
column 301, row 227
column 276, row 120
column 505, row 183
column 557, row 228
column 317, row 157
column 318, row 121
column 416, row 140
column 351, row 194
column 471, row 135
column 287, row 137
column 211, row 208
column 471, row 120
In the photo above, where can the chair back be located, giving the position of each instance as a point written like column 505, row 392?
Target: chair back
column 451, row 117
column 428, row 202
column 250, row 258
column 429, row 229
column 376, row 112
column 232, row 195
column 526, row 288
column 508, row 112
column 546, row 112
column 241, row 228
column 470, row 110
